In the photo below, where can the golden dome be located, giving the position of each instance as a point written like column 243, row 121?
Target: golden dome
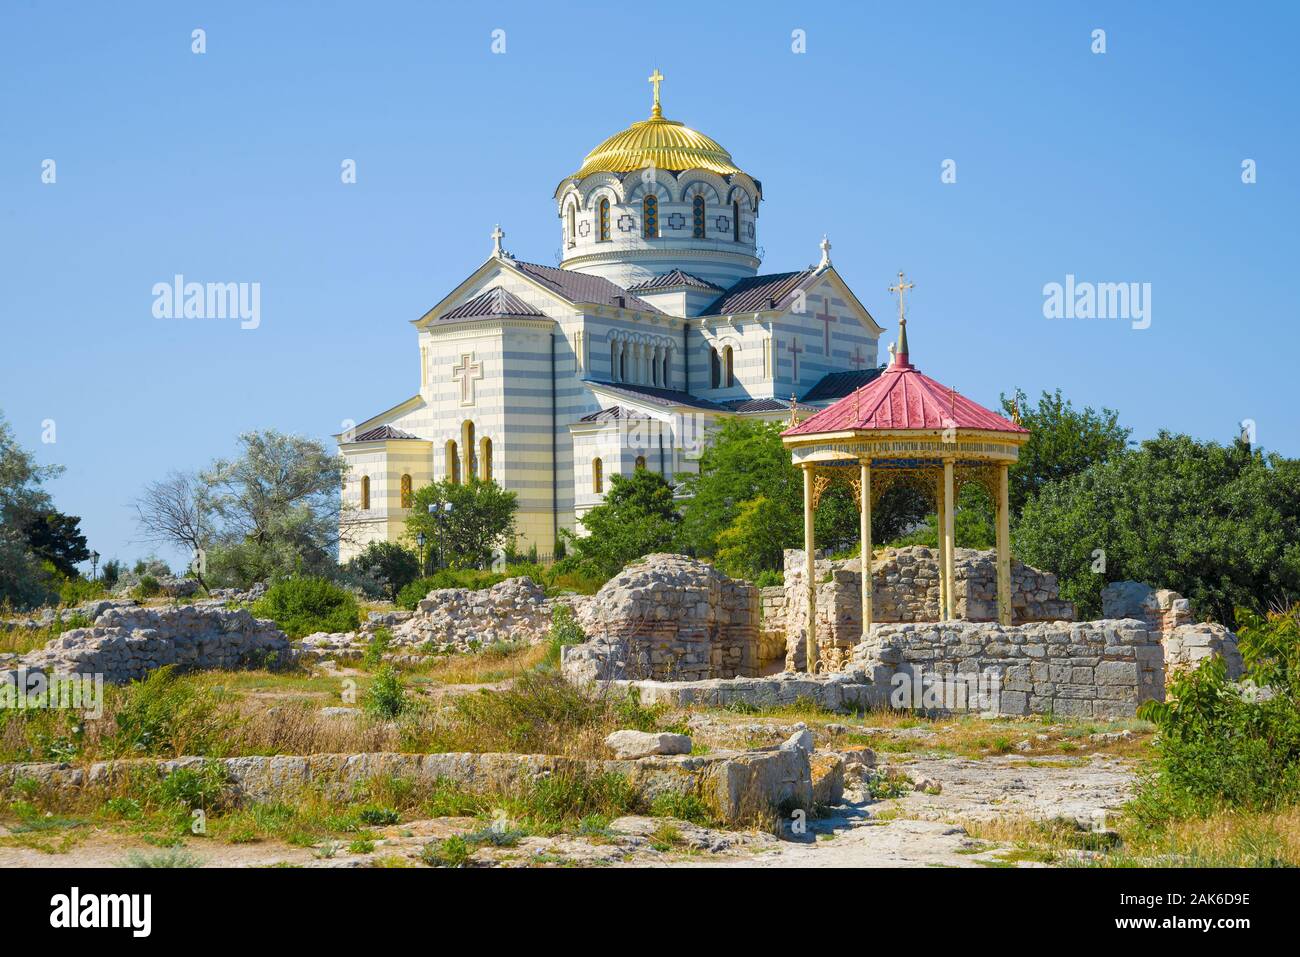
column 666, row 144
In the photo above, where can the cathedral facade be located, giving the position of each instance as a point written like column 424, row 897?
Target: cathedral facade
column 655, row 326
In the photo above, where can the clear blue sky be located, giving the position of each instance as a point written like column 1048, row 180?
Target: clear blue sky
column 1122, row 167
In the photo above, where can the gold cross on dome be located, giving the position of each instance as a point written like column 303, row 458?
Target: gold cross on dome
column 901, row 288
column 656, row 78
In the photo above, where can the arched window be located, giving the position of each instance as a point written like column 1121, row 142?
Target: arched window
column 697, row 215
column 453, row 462
column 597, row 476
column 640, row 461
column 728, row 368
column 406, row 491
column 715, row 369
column 622, row 365
column 663, row 378
column 613, row 361
column 365, row 493
column 735, row 220
column 485, row 458
column 603, row 217
column 650, row 217
column 573, row 225
column 471, row 453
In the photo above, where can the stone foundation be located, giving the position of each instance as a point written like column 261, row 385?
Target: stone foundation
column 1168, row 616
column 905, row 588
column 126, row 643
column 669, row 617
column 1095, row 669
column 738, row 785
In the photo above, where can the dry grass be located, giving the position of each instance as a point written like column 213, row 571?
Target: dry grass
column 495, row 663
column 19, row 641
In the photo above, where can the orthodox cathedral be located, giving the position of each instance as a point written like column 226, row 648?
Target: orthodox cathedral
column 655, row 326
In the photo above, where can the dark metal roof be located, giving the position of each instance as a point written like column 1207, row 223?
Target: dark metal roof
column 611, row 414
column 751, row 406
column 660, row 396
column 756, row 293
column 836, row 385
column 383, row 433
column 578, row 287
column 672, row 280
column 495, row 303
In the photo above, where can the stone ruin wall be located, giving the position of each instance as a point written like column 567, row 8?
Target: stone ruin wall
column 1168, row 616
column 126, row 643
column 771, row 627
column 669, row 617
column 905, row 588
column 1095, row 669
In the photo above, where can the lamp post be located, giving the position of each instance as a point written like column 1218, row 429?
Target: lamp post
column 440, row 512
column 94, row 565
column 419, row 540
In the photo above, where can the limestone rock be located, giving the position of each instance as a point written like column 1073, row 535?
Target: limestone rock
column 639, row 744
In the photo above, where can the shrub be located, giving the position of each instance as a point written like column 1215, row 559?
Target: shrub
column 147, row 587
column 386, row 696
column 375, row 651
column 164, row 716
column 565, row 630
column 768, row 578
column 452, row 852
column 470, row 578
column 201, row 787
column 301, row 606
column 74, row 591
column 684, row 807
column 385, row 568
column 1225, row 744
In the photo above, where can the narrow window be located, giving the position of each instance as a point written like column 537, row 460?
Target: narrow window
column 650, row 217
column 406, row 491
column 613, row 361
column 697, row 215
column 453, row 462
column 715, row 369
column 622, row 365
column 735, row 220
column 664, row 377
column 603, row 206
column 729, row 374
column 365, row 493
column 597, row 476
column 573, row 226
column 640, row 461
column 471, row 453
column 485, row 458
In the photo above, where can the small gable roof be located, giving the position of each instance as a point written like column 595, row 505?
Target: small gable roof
column 755, row 293
column 493, row 304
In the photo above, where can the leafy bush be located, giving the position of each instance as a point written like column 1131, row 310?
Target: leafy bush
column 201, row 787
column 767, row 579
column 301, row 606
column 1225, row 744
column 386, row 696
column 148, row 587
column 375, row 651
column 74, row 591
column 450, row 852
column 385, row 568
column 166, row 717
column 565, row 630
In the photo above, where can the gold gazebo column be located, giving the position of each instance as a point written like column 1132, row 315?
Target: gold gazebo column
column 864, row 520
column 1004, row 546
column 949, row 540
column 810, row 572
column 943, row 567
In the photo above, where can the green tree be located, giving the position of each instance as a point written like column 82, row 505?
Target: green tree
column 387, row 566
column 480, row 521
column 638, row 517
column 1219, row 524
column 56, row 538
column 1062, row 442
column 23, row 500
column 278, row 505
column 747, row 461
column 755, row 541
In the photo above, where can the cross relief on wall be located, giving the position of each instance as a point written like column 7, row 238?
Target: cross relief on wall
column 467, row 372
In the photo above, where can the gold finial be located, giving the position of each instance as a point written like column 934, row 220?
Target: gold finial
column 901, row 288
column 793, row 420
column 656, row 78
column 1015, row 412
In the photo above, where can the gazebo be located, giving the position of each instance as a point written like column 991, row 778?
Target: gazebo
column 904, row 428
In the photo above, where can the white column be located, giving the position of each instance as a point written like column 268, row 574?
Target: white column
column 1004, row 547
column 810, row 572
column 949, row 539
column 864, row 519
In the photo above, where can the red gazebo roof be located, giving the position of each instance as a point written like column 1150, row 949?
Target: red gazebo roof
column 903, row 398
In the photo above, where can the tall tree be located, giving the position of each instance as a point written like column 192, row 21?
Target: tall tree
column 57, row 538
column 1219, row 524
column 1062, row 442
column 23, row 582
column 481, row 520
column 176, row 512
column 638, row 517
